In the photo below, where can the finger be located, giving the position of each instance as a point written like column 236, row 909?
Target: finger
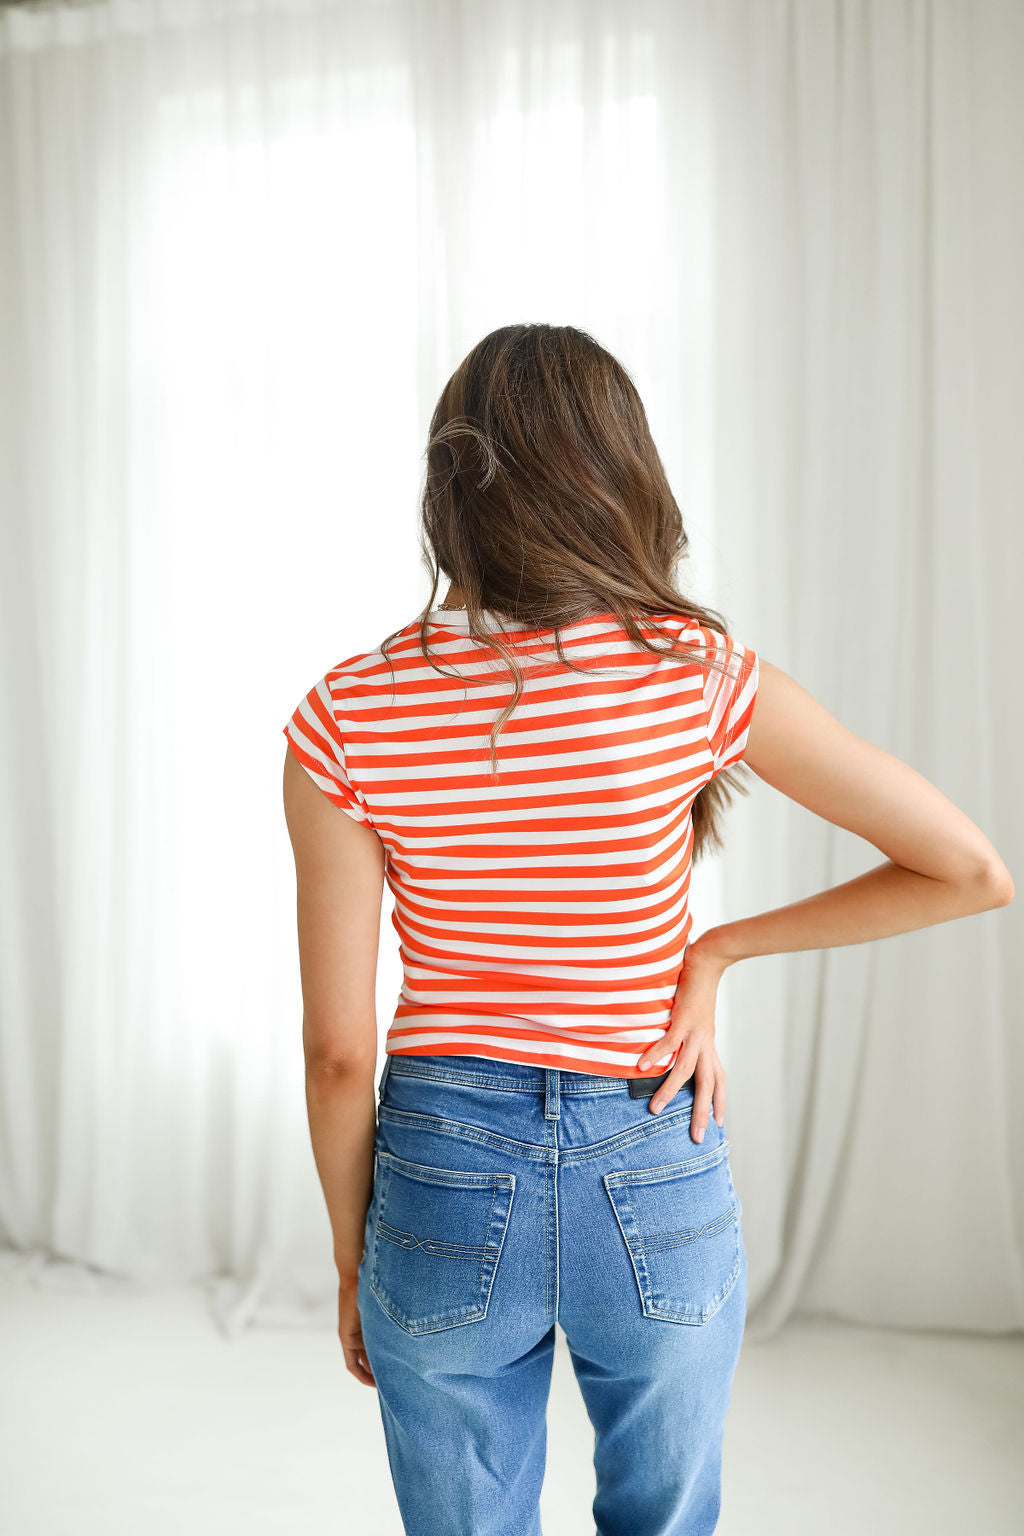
column 680, row 1073
column 360, row 1372
column 356, row 1358
column 660, row 1051
column 357, row 1363
column 702, row 1094
column 720, row 1097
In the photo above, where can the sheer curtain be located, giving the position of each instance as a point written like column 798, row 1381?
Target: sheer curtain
column 242, row 245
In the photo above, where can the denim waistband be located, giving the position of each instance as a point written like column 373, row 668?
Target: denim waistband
column 516, row 1076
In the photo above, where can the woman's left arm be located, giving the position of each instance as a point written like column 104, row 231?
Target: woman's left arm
column 339, row 872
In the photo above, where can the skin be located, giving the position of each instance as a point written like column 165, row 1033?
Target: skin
column 938, row 866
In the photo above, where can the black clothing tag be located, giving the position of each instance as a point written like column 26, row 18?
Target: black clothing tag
column 643, row 1087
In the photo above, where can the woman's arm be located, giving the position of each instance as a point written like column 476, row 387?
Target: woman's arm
column 939, row 865
column 339, row 872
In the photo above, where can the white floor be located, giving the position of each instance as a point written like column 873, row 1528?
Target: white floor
column 131, row 1415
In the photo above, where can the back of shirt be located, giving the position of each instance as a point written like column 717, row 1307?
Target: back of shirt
column 542, row 913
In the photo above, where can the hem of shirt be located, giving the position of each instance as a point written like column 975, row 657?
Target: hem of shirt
column 537, row 1059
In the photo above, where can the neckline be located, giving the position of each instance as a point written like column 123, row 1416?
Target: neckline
column 458, row 618
column 457, row 621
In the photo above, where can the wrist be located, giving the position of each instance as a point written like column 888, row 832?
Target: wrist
column 348, row 1272
column 710, row 952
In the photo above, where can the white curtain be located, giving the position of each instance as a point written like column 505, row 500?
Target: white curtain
column 242, row 245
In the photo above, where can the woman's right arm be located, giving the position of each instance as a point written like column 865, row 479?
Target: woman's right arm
column 938, row 864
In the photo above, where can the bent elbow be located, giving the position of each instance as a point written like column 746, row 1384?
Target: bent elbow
column 996, row 884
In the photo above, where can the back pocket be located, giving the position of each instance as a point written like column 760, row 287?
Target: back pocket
column 681, row 1226
column 437, row 1239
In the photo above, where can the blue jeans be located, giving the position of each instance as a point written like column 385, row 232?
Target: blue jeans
column 507, row 1197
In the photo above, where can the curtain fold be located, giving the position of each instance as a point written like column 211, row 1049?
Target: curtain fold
column 242, row 246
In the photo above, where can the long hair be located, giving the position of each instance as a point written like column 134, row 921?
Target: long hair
column 546, row 501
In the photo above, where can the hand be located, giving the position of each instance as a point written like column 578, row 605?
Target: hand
column 350, row 1332
column 692, row 1026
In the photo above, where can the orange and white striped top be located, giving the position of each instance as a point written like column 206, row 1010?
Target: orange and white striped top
column 542, row 915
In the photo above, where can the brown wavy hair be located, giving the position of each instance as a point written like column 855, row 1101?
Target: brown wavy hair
column 545, row 501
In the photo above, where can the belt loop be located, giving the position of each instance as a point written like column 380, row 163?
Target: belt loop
column 552, row 1099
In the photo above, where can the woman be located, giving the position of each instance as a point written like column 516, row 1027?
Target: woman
column 532, row 767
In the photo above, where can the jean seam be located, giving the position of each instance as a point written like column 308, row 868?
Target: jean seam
column 668, row 1120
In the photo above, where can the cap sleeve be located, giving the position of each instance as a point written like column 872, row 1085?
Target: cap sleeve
column 314, row 738
column 728, row 696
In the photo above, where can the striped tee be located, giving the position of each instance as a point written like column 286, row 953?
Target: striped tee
column 542, row 915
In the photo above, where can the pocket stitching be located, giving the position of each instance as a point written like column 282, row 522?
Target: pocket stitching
column 617, row 1183
column 426, row 1174
column 666, row 1171
column 471, row 1312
